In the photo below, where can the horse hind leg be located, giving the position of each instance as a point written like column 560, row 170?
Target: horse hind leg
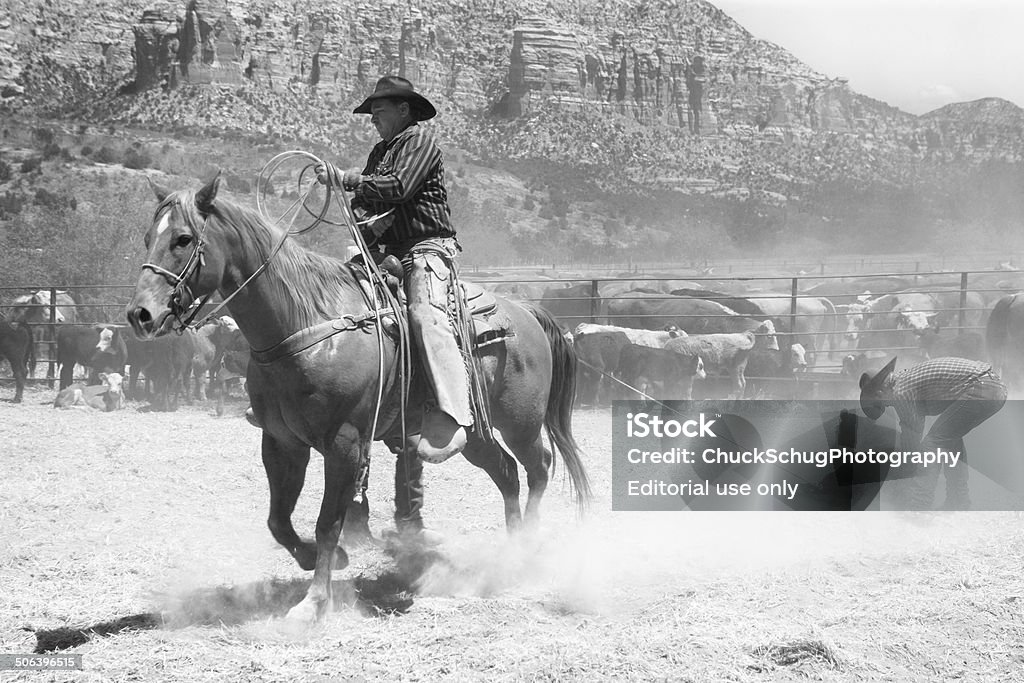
column 502, row 470
column 536, row 460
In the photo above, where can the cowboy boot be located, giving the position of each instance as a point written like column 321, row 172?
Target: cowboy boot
column 409, row 500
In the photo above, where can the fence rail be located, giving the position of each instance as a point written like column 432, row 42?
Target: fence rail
column 106, row 303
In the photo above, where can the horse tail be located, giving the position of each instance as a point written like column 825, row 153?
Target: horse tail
column 558, row 416
column 997, row 329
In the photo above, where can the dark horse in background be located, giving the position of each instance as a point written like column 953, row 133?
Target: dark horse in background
column 18, row 347
column 1004, row 336
column 322, row 393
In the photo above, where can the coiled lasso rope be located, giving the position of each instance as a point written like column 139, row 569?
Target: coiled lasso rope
column 378, row 282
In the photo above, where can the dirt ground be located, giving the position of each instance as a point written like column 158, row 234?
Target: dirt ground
column 150, row 527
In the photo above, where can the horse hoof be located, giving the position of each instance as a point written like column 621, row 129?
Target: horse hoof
column 308, row 611
column 306, row 557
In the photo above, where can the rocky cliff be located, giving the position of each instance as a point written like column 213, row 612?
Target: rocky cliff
column 629, row 58
column 672, row 93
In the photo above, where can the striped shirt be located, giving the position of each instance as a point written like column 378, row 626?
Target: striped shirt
column 928, row 388
column 406, row 174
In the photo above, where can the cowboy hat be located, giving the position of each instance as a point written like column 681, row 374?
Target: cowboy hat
column 871, row 388
column 399, row 88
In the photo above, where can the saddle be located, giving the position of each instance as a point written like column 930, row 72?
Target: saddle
column 479, row 304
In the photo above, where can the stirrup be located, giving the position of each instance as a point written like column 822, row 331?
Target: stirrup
column 441, row 437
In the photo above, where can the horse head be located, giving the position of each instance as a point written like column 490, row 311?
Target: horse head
column 178, row 269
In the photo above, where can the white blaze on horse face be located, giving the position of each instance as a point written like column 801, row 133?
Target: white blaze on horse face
column 165, row 222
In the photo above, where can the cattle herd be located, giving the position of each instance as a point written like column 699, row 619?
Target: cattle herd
column 655, row 338
column 113, row 364
column 662, row 338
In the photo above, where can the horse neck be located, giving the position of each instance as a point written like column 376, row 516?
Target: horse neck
column 294, row 292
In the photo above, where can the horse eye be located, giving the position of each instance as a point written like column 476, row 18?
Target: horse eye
column 183, row 241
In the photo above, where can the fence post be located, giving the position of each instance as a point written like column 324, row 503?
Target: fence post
column 962, row 319
column 51, row 351
column 792, row 311
column 593, row 302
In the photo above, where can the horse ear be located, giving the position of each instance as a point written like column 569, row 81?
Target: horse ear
column 161, row 192
column 208, row 193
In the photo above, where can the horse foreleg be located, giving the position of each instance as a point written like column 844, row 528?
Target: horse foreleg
column 286, row 473
column 341, row 468
column 501, row 468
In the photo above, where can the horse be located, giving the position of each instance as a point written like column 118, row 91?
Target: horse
column 16, row 345
column 317, row 367
column 1004, row 333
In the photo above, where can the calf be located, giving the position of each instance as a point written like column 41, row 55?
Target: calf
column 727, row 354
column 100, row 348
column 106, row 396
column 659, row 373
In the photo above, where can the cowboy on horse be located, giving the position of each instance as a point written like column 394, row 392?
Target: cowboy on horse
column 404, row 178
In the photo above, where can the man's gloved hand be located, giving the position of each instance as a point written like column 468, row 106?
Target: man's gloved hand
column 351, row 179
column 328, row 174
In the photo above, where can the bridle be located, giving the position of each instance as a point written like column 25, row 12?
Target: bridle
column 182, row 298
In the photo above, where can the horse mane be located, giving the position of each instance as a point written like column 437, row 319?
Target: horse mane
column 313, row 287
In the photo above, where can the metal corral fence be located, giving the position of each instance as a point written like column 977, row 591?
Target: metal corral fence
column 961, row 302
column 93, row 304
column 963, row 298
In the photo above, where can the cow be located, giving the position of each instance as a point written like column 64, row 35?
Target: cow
column 35, row 309
column 653, row 338
column 16, row 345
column 727, row 354
column 964, row 345
column 99, row 348
column 1004, row 336
column 895, row 322
column 598, row 354
column 233, row 363
column 851, row 321
column 693, row 316
column 107, row 396
column 815, row 323
column 770, row 373
column 167, row 363
column 658, row 373
column 598, row 346
column 204, row 360
column 572, row 304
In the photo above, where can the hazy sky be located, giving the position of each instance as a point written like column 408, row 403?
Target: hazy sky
column 914, row 54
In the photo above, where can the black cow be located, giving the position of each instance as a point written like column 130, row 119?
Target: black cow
column 964, row 345
column 99, row 348
column 598, row 353
column 571, row 305
column 16, row 345
column 166, row 362
column 658, row 373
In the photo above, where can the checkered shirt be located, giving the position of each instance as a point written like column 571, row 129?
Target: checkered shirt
column 928, row 387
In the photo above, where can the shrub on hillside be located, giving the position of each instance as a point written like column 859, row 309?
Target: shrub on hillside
column 105, row 155
column 31, row 164
column 137, row 160
column 5, row 171
column 11, row 204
